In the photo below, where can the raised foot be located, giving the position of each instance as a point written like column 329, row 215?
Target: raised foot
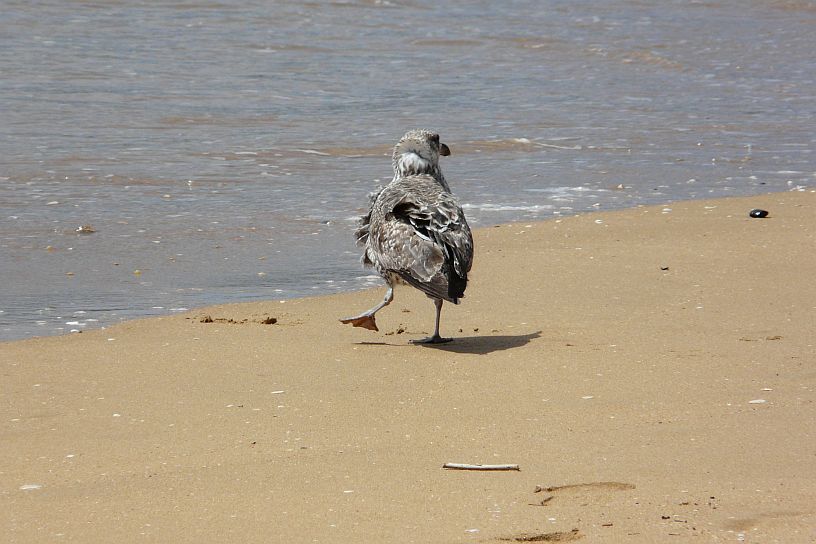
column 432, row 340
column 364, row 321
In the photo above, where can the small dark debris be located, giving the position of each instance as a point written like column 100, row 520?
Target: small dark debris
column 207, row 319
column 544, row 501
column 757, row 213
column 664, row 268
column 665, row 517
column 268, row 321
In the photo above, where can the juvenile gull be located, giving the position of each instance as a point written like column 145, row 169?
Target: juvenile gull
column 415, row 231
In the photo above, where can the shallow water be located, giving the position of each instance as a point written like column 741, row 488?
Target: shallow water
column 221, row 150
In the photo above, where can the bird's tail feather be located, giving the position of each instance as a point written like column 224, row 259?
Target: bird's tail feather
column 450, row 291
column 456, row 286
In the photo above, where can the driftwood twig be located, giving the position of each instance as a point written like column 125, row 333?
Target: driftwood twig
column 465, row 466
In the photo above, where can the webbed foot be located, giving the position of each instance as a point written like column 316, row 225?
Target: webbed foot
column 436, row 339
column 364, row 321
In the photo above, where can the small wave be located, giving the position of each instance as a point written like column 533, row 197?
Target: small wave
column 510, row 144
column 334, row 151
column 447, row 43
column 563, row 190
column 507, row 208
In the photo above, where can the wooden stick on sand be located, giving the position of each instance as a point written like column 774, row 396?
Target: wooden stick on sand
column 465, row 466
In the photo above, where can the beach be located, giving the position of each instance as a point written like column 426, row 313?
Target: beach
column 650, row 370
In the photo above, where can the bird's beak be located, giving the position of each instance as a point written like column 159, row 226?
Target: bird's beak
column 444, row 150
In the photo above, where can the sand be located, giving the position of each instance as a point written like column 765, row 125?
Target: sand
column 651, row 371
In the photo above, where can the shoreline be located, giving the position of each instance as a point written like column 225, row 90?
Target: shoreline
column 194, row 309
column 648, row 369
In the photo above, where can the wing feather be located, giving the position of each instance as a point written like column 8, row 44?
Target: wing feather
column 419, row 231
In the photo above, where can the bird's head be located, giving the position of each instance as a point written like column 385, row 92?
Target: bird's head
column 418, row 153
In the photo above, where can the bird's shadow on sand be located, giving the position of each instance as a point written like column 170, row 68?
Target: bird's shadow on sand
column 482, row 345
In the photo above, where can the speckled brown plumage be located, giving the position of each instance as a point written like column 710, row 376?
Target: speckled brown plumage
column 415, row 230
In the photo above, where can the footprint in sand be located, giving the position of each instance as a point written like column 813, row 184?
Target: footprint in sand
column 594, row 486
column 579, row 490
column 573, row 491
column 783, row 518
column 558, row 536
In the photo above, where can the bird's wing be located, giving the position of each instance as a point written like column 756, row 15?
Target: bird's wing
column 400, row 249
column 443, row 223
column 425, row 238
column 364, row 226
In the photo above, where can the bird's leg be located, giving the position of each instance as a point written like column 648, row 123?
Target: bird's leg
column 435, row 339
column 366, row 319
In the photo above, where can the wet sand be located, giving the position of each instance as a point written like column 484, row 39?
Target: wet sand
column 649, row 370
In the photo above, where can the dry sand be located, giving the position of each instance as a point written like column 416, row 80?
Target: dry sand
column 619, row 358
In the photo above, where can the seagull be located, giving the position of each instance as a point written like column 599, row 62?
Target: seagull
column 415, row 231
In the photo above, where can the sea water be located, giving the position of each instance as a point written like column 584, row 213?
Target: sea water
column 157, row 156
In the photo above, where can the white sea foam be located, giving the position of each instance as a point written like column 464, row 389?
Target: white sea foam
column 563, row 190
column 507, row 208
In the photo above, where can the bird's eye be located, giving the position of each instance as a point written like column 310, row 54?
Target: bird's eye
column 435, row 138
